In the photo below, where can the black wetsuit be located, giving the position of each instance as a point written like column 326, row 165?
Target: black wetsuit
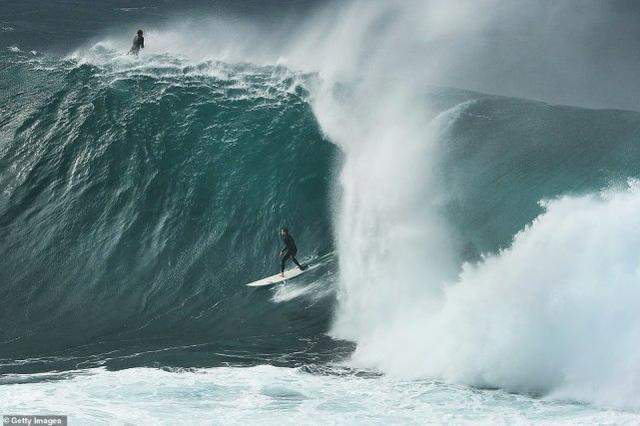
column 138, row 43
column 289, row 252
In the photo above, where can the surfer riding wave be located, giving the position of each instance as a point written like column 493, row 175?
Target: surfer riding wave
column 289, row 251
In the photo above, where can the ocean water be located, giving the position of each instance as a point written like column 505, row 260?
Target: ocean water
column 478, row 254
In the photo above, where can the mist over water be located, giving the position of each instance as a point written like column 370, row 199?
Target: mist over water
column 552, row 313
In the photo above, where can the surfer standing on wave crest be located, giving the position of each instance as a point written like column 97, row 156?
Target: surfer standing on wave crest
column 289, row 251
column 138, row 43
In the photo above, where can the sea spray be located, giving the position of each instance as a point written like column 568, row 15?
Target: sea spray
column 527, row 326
column 555, row 313
column 393, row 247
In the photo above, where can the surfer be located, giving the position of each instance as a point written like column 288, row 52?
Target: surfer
column 289, row 251
column 138, row 43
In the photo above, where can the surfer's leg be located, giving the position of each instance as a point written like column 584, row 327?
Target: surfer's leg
column 296, row 262
column 285, row 257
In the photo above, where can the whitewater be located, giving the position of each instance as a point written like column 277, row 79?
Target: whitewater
column 478, row 253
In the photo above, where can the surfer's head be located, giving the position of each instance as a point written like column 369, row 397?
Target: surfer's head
column 284, row 231
column 139, row 32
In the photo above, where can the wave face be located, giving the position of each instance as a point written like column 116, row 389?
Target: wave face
column 139, row 197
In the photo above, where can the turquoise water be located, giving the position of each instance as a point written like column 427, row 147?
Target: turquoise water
column 155, row 191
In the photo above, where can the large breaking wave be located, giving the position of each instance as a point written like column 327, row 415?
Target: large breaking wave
column 138, row 197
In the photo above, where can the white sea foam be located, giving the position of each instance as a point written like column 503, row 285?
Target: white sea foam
column 268, row 395
column 556, row 313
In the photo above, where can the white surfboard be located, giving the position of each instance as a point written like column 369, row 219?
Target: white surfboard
column 277, row 278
